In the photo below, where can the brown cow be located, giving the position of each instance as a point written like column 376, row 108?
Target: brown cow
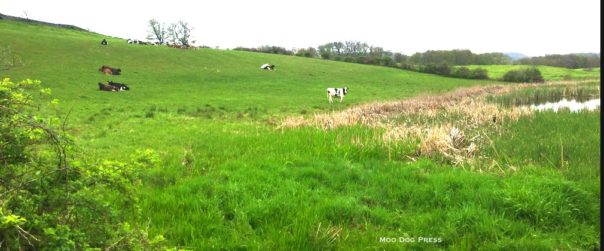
column 109, row 70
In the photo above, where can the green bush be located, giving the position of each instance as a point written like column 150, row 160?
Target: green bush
column 479, row 73
column 526, row 75
column 50, row 200
column 440, row 69
column 461, row 72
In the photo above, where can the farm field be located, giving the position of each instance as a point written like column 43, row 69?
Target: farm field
column 242, row 158
column 548, row 72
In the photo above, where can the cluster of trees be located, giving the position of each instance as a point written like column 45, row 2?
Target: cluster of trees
column 449, row 63
column 356, row 52
column 458, row 57
column 267, row 49
column 178, row 33
column 449, row 71
column 572, row 61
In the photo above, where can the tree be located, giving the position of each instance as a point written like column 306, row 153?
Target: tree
column 180, row 33
column 309, row 52
column 400, row 58
column 157, row 31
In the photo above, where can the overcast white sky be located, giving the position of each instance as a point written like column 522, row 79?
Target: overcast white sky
column 526, row 26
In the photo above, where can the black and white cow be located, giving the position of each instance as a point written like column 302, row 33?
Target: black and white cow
column 119, row 86
column 336, row 92
column 136, row 41
column 109, row 88
column 269, row 67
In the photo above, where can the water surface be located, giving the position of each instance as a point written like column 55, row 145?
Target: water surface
column 573, row 105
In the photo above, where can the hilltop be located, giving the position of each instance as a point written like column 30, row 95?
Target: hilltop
column 33, row 21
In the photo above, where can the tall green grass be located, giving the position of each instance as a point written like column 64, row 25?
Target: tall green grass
column 566, row 141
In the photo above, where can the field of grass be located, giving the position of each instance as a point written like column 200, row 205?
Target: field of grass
column 548, row 72
column 232, row 177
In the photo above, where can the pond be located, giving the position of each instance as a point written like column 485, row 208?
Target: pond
column 572, row 98
column 572, row 105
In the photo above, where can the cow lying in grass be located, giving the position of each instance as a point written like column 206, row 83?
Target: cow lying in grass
column 269, row 67
column 109, row 70
column 336, row 92
column 113, row 87
column 136, row 41
column 119, row 86
column 109, row 88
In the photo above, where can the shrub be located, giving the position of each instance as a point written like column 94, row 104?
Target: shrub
column 461, row 72
column 526, row 75
column 440, row 69
column 479, row 73
column 51, row 202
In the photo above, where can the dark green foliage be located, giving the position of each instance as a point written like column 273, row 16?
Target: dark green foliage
column 527, row 75
column 572, row 61
column 465, row 72
column 267, row 49
column 440, row 69
column 309, row 52
column 457, row 57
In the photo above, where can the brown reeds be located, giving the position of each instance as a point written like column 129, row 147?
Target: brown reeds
column 448, row 126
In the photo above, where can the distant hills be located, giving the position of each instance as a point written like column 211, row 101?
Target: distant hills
column 515, row 55
column 27, row 20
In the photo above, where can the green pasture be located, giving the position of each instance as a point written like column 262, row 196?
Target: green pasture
column 548, row 72
column 230, row 178
column 68, row 61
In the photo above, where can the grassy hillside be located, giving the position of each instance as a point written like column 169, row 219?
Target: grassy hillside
column 67, row 61
column 548, row 72
column 229, row 175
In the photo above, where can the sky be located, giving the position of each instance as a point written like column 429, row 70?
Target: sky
column 531, row 27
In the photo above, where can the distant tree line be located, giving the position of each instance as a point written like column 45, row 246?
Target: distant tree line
column 572, row 61
column 267, row 49
column 458, row 57
column 450, row 63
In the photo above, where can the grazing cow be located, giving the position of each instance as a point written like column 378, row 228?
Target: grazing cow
column 136, row 41
column 336, row 92
column 269, row 67
column 109, row 88
column 119, row 86
column 109, row 70
column 104, row 42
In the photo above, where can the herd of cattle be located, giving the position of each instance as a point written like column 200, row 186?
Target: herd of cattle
column 113, row 86
column 136, row 41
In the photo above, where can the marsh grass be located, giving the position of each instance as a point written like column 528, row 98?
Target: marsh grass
column 580, row 92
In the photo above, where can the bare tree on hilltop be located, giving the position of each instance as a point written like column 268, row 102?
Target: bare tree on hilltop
column 176, row 33
column 157, row 31
column 180, row 33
